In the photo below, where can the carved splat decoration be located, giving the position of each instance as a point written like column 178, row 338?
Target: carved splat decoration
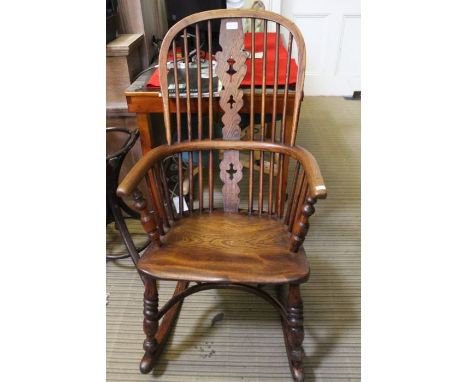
column 231, row 174
column 231, row 70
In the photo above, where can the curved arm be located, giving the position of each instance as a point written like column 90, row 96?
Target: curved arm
column 307, row 160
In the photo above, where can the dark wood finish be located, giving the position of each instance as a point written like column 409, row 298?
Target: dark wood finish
column 310, row 182
column 176, row 82
column 262, row 118
column 235, row 14
column 295, row 201
column 295, row 332
column 275, row 85
column 301, row 226
column 300, row 201
column 232, row 248
column 207, row 286
column 252, row 116
column 150, row 324
column 150, row 181
column 294, row 189
column 117, row 209
column 156, row 339
column 286, row 90
column 306, row 159
column 145, row 141
column 273, row 123
column 181, row 184
column 199, row 119
column 260, row 183
column 189, row 118
column 286, row 133
column 162, row 212
column 227, row 248
column 168, row 321
column 147, row 220
column 150, row 101
column 169, row 206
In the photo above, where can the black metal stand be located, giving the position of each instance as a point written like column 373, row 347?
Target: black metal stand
column 116, row 205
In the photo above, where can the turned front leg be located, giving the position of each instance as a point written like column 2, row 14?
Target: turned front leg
column 150, row 324
column 295, row 331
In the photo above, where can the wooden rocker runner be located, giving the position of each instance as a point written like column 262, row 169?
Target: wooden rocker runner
column 228, row 247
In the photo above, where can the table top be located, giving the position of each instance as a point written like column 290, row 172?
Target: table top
column 139, row 85
column 139, row 88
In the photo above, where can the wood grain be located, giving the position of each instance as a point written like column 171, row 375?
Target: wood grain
column 231, row 70
column 231, row 249
column 122, row 66
column 236, row 14
column 150, row 324
column 225, row 247
column 146, row 17
column 248, row 341
column 147, row 220
column 307, row 160
column 301, row 226
column 295, row 332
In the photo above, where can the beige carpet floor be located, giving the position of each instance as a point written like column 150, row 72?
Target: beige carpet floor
column 232, row 336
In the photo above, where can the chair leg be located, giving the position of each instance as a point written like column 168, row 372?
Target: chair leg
column 150, row 325
column 295, row 332
column 157, row 335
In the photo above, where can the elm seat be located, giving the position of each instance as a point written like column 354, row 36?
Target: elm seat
column 226, row 247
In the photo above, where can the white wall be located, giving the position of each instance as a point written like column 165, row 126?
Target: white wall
column 332, row 32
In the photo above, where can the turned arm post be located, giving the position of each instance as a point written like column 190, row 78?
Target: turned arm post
column 301, row 225
column 147, row 220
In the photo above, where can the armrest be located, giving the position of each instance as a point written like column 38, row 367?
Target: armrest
column 307, row 160
column 318, row 190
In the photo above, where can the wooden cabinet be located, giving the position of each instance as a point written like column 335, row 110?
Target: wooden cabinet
column 147, row 17
column 123, row 64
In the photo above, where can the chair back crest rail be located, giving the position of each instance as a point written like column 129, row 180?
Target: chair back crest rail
column 230, row 70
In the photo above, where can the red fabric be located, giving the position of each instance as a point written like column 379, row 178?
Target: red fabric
column 170, row 56
column 270, row 66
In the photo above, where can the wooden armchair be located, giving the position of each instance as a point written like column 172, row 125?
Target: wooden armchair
column 229, row 247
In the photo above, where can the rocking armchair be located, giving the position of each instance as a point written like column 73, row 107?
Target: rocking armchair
column 228, row 247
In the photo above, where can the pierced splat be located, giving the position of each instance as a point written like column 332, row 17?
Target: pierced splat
column 231, row 174
column 231, row 101
column 231, row 171
column 231, row 71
